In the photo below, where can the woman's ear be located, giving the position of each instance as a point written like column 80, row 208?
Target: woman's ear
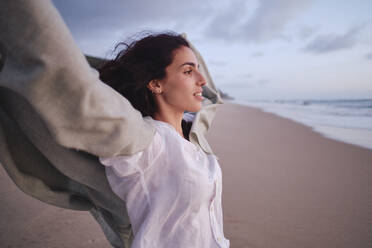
column 154, row 86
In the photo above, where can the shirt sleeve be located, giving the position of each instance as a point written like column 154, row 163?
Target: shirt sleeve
column 41, row 63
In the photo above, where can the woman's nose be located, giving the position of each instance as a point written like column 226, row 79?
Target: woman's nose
column 201, row 80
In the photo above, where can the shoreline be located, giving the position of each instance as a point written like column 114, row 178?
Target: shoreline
column 358, row 137
column 355, row 136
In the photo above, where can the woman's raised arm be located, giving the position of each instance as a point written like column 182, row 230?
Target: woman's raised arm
column 41, row 63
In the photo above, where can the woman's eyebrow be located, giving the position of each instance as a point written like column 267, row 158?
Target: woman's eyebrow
column 190, row 63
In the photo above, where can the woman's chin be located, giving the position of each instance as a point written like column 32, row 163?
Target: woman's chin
column 195, row 108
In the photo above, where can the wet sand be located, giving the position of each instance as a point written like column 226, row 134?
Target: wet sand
column 287, row 186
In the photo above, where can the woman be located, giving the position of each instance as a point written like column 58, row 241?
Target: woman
column 53, row 106
column 172, row 188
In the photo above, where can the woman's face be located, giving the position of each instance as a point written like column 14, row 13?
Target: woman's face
column 182, row 86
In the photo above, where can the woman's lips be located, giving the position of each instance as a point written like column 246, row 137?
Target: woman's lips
column 199, row 96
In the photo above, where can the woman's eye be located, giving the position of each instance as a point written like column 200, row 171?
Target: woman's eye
column 188, row 72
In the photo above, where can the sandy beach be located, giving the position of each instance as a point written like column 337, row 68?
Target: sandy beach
column 283, row 186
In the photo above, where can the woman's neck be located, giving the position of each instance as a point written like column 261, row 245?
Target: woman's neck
column 172, row 118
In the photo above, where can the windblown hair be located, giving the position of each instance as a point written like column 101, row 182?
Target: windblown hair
column 141, row 61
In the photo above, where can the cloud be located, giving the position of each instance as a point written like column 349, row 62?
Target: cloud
column 238, row 85
column 223, row 23
column 267, row 21
column 257, row 54
column 247, row 80
column 332, row 42
column 95, row 23
column 368, row 56
column 247, row 75
column 306, row 32
column 217, row 63
column 263, row 81
column 98, row 26
column 94, row 18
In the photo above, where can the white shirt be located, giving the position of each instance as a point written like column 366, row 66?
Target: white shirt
column 173, row 192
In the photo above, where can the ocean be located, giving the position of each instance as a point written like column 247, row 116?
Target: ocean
column 349, row 121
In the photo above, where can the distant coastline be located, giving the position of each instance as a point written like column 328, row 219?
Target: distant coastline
column 345, row 120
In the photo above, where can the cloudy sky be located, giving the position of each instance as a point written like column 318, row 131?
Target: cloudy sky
column 255, row 49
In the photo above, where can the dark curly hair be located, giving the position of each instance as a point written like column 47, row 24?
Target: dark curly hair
column 141, row 61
